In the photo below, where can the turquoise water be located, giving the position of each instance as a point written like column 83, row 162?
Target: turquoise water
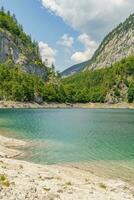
column 73, row 135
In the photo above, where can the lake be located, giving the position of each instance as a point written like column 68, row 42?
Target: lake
column 94, row 138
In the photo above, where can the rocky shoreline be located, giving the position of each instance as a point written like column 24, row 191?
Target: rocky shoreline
column 21, row 180
column 12, row 104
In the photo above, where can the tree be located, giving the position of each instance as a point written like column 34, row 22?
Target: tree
column 131, row 93
column 21, row 27
column 14, row 18
column 2, row 9
column 8, row 13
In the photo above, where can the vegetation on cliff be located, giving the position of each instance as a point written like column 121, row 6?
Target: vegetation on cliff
column 115, row 46
column 18, row 47
column 124, row 27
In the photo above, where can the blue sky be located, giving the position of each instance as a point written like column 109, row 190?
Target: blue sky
column 68, row 32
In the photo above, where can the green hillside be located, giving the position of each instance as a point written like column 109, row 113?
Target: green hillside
column 23, row 75
column 114, row 84
column 18, row 47
column 9, row 23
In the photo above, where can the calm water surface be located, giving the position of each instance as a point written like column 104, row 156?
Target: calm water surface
column 74, row 135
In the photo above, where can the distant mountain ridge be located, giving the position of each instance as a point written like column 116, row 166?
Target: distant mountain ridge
column 74, row 69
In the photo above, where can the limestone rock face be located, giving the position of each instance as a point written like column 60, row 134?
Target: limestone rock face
column 117, row 96
column 9, row 50
column 116, row 45
column 38, row 99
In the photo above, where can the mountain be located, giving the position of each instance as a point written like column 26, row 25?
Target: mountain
column 18, row 48
column 23, row 75
column 109, row 74
column 116, row 45
column 110, row 84
column 74, row 69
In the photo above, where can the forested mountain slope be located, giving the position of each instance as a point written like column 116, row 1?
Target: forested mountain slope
column 114, row 84
column 17, row 47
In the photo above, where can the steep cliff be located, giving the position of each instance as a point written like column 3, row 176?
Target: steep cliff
column 116, row 45
column 18, row 48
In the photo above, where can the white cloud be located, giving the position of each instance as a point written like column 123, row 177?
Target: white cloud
column 66, row 41
column 90, row 47
column 87, row 41
column 47, row 53
column 91, row 16
column 79, row 57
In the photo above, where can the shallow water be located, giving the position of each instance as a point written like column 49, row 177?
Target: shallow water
column 74, row 135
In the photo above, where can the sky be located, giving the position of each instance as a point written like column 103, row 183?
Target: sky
column 68, row 31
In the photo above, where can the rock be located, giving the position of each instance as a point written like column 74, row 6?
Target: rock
column 16, row 53
column 38, row 99
column 116, row 45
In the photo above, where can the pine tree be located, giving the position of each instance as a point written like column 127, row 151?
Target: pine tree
column 2, row 9
column 14, row 18
column 8, row 12
column 21, row 27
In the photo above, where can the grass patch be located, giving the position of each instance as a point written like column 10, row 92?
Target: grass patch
column 103, row 186
column 46, row 189
column 68, row 183
column 4, row 180
column 87, row 180
column 60, row 191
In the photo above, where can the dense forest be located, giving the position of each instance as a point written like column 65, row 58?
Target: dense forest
column 114, row 84
column 88, row 86
column 93, row 86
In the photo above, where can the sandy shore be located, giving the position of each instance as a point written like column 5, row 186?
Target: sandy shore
column 12, row 104
column 20, row 180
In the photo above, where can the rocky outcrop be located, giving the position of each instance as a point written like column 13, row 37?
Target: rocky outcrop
column 117, row 95
column 116, row 45
column 9, row 50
